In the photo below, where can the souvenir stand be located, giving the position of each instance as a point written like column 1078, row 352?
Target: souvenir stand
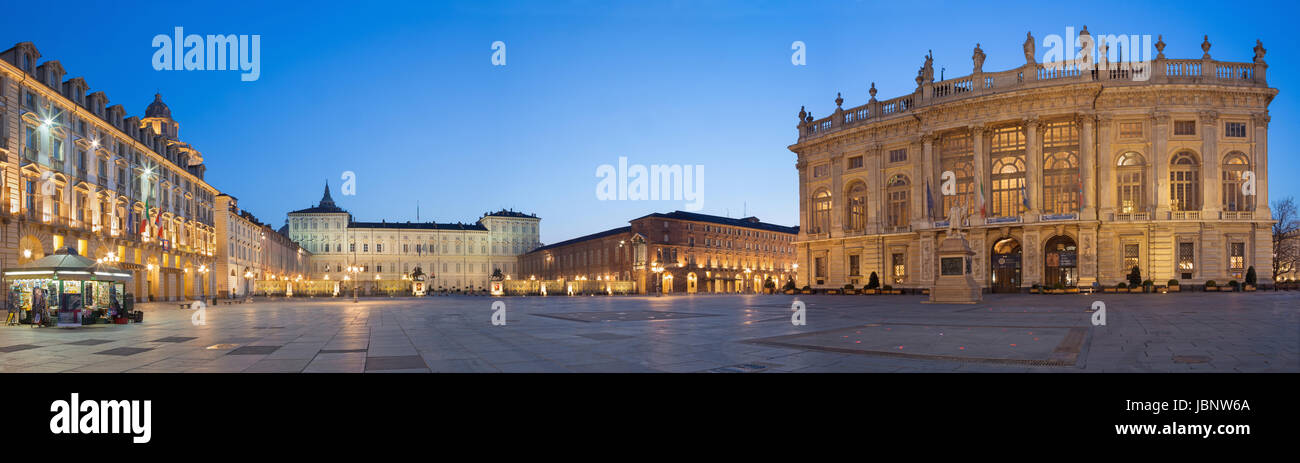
column 66, row 289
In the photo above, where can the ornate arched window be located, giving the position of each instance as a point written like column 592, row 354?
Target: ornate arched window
column 1007, row 155
column 856, row 208
column 897, row 191
column 1235, row 166
column 1130, row 177
column 1184, row 182
column 821, row 212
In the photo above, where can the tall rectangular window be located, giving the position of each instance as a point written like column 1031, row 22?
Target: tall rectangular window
column 1132, row 254
column 853, row 266
column 1130, row 130
column 819, row 267
column 1237, row 259
column 1184, row 127
column 1186, row 259
column 899, row 264
column 855, row 162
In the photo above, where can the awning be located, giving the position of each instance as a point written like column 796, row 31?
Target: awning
column 66, row 264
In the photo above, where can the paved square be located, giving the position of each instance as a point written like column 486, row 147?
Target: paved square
column 1233, row 332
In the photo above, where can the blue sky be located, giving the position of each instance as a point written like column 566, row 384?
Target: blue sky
column 406, row 97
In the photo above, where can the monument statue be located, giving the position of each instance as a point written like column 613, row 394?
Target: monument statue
column 978, row 57
column 1029, row 48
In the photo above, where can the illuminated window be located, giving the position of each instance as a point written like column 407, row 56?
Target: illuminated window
column 1237, row 259
column 1184, row 182
column 1131, row 257
column 821, row 212
column 1186, row 259
column 857, row 207
column 1235, row 166
column 1008, row 171
column 897, row 190
column 899, row 262
column 1061, row 182
column 1130, row 176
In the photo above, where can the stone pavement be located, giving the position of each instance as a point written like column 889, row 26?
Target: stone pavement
column 1237, row 332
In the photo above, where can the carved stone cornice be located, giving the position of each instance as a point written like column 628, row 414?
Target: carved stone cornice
column 1209, row 117
column 1260, row 119
column 1161, row 117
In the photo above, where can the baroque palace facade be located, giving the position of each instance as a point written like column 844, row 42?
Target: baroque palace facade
column 76, row 173
column 456, row 255
column 676, row 252
column 1058, row 175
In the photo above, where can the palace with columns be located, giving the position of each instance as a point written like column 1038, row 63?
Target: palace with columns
column 1057, row 174
column 76, row 172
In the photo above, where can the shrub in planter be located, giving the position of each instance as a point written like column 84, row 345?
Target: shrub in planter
column 1036, row 288
column 1135, row 277
column 1235, row 286
column 1173, row 286
column 1122, row 285
column 1250, row 276
column 789, row 285
column 889, row 289
column 1147, row 285
column 1211, row 285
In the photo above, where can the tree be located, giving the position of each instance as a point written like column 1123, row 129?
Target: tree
column 1286, row 237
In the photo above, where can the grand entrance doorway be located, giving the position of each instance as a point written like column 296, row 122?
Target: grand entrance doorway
column 1006, row 266
column 1060, row 265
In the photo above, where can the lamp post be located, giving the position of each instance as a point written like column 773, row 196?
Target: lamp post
column 248, row 286
column 747, row 280
column 659, row 282
column 352, row 269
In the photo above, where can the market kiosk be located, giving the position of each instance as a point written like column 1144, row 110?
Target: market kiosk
column 66, row 289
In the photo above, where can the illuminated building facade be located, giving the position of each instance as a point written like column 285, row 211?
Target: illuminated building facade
column 250, row 250
column 78, row 173
column 676, row 252
column 458, row 256
column 1060, row 175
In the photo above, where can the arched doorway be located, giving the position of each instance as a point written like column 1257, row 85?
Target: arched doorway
column 1006, row 266
column 1060, row 262
column 691, row 283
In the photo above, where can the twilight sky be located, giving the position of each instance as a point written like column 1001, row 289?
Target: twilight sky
column 406, row 96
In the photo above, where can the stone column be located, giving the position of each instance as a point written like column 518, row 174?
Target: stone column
column 1259, row 164
column 875, row 189
column 917, row 203
column 1088, row 167
column 1033, row 169
column 927, row 178
column 982, row 178
column 1211, row 165
column 837, row 195
column 1159, row 162
column 1105, row 178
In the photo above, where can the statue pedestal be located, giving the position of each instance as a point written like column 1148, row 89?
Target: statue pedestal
column 956, row 284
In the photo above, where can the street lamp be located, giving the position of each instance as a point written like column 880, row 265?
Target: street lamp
column 248, row 286
column 352, row 269
column 659, row 282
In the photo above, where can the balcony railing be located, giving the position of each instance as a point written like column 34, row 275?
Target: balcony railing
column 1237, row 215
column 1185, row 215
column 1154, row 72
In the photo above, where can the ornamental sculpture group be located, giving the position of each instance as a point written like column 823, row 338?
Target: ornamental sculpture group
column 956, row 284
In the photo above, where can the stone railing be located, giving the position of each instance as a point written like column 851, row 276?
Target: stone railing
column 1155, row 72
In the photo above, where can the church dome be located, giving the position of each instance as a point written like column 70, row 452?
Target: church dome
column 158, row 108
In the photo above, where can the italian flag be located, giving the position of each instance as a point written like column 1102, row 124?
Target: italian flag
column 982, row 211
column 144, row 224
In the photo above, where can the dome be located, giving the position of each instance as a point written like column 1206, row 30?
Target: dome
column 158, row 108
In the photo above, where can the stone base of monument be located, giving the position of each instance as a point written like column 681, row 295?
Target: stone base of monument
column 956, row 284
